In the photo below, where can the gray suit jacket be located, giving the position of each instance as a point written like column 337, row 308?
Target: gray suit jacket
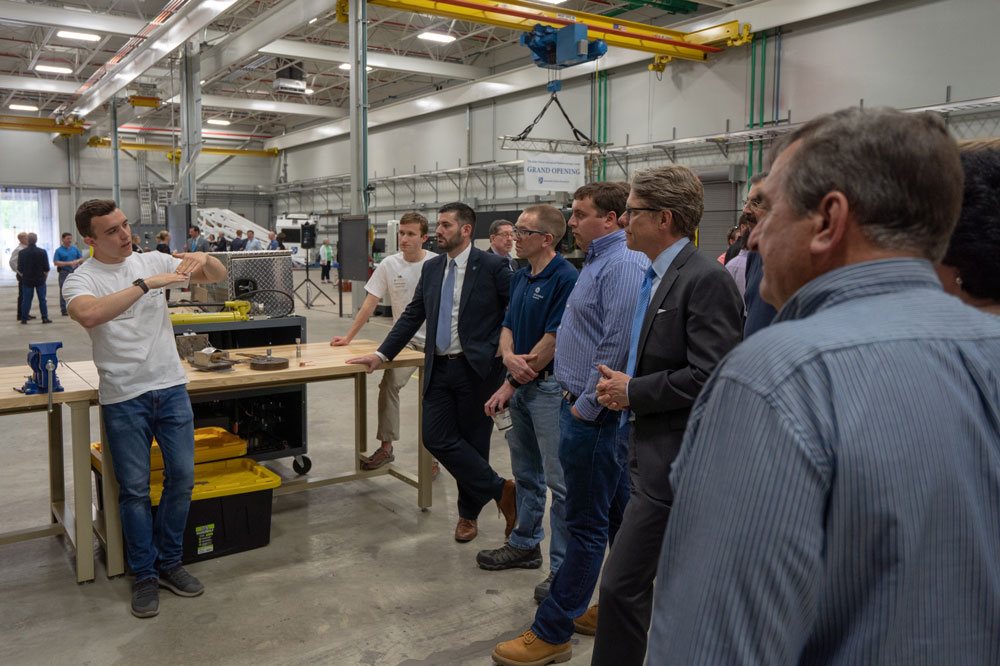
column 693, row 320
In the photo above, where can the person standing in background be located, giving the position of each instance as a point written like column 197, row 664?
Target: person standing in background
column 253, row 244
column 33, row 266
column 238, row 242
column 163, row 242
column 66, row 258
column 502, row 240
column 326, row 260
column 22, row 242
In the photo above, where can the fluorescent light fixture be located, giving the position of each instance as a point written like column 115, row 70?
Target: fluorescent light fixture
column 217, row 121
column 436, row 37
column 552, row 2
column 309, row 91
column 82, row 36
column 53, row 70
column 313, row 20
column 22, row 107
column 202, row 82
column 347, row 66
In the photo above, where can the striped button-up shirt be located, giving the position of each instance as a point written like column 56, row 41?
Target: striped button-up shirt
column 837, row 494
column 596, row 325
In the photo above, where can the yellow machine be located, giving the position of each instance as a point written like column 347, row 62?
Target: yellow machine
column 233, row 311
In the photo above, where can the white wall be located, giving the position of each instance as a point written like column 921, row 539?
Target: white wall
column 902, row 53
column 33, row 159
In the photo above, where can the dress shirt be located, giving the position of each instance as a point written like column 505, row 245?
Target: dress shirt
column 835, row 496
column 595, row 327
column 12, row 262
column 461, row 262
column 254, row 245
column 660, row 266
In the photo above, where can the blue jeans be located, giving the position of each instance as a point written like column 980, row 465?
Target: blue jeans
column 594, row 457
column 152, row 545
column 534, row 459
column 62, row 278
column 27, row 294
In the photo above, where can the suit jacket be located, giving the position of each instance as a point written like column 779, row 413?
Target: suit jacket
column 33, row 265
column 200, row 245
column 693, row 320
column 485, row 293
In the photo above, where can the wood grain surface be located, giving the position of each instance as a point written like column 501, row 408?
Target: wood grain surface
column 319, row 362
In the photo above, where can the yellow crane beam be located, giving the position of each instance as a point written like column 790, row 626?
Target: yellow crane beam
column 523, row 15
column 28, row 124
column 174, row 154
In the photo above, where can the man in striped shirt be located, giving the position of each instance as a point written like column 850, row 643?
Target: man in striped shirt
column 847, row 512
column 592, row 447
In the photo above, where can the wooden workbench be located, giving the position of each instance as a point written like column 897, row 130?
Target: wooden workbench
column 319, row 362
column 74, row 519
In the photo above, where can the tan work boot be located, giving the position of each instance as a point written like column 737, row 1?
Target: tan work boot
column 586, row 624
column 530, row 650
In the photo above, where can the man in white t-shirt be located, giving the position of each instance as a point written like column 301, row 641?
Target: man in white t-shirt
column 118, row 298
column 397, row 275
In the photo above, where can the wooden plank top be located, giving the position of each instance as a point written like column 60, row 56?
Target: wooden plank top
column 319, row 361
column 75, row 388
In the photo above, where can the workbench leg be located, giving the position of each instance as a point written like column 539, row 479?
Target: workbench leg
column 57, row 481
column 113, row 544
column 425, row 485
column 84, row 540
column 360, row 417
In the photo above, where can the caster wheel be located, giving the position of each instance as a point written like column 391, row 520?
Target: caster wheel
column 301, row 464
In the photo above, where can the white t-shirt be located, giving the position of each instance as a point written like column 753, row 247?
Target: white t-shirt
column 399, row 278
column 135, row 352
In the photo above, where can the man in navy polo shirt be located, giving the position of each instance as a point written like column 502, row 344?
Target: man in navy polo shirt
column 538, row 294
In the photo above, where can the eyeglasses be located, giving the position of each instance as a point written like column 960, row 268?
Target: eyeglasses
column 632, row 211
column 506, row 234
column 527, row 232
column 756, row 203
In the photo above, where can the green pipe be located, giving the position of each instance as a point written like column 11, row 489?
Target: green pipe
column 604, row 122
column 760, row 121
column 753, row 85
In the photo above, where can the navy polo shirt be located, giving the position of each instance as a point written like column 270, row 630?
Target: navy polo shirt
column 537, row 302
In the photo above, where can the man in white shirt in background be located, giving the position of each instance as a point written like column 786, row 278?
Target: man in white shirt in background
column 326, row 258
column 397, row 275
column 22, row 242
column 118, row 297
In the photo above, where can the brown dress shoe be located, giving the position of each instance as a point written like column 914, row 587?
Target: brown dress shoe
column 466, row 530
column 586, row 624
column 508, row 506
column 530, row 650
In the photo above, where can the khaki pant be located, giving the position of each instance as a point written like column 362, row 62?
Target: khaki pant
column 393, row 380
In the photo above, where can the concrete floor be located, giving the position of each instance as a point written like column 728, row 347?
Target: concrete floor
column 355, row 573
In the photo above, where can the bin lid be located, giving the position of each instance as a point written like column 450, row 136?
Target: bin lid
column 221, row 478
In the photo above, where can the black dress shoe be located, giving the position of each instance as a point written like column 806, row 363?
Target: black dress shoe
column 24, row 321
column 32, row 317
column 46, row 321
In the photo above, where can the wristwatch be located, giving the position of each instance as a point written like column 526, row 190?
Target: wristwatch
column 513, row 382
column 142, row 285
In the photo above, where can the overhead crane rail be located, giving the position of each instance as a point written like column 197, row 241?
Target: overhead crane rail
column 524, row 15
column 173, row 154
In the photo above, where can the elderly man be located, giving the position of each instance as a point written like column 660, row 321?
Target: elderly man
column 272, row 241
column 852, row 517
column 689, row 315
column 502, row 240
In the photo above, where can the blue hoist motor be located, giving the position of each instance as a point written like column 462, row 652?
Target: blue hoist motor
column 557, row 48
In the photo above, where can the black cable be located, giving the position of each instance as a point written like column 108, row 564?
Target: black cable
column 577, row 134
column 242, row 297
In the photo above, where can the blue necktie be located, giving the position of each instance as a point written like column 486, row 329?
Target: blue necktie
column 443, row 338
column 645, row 292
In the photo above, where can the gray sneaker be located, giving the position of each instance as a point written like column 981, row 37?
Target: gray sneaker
column 180, row 582
column 542, row 589
column 145, row 598
column 509, row 557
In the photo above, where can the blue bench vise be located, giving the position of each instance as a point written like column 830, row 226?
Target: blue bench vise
column 43, row 362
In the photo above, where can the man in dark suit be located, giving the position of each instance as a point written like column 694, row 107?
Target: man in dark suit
column 462, row 295
column 687, row 318
column 33, row 267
